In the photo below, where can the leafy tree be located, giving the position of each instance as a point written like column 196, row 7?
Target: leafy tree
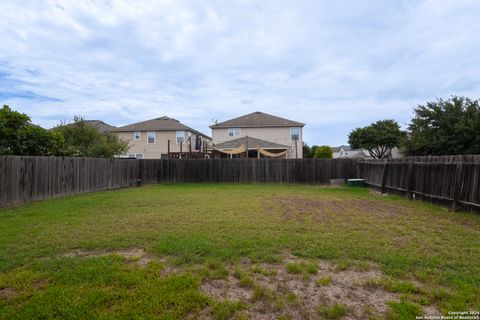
column 19, row 137
column 314, row 149
column 83, row 140
column 378, row 138
column 444, row 127
column 309, row 152
column 323, row 152
column 38, row 141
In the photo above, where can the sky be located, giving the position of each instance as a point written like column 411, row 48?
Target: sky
column 333, row 65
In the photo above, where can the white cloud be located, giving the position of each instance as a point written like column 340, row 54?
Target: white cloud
column 332, row 65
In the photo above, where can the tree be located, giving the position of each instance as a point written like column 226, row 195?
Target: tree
column 307, row 151
column 83, row 140
column 323, row 152
column 378, row 138
column 19, row 137
column 444, row 127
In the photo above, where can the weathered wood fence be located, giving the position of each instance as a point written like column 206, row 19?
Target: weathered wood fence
column 24, row 179
column 449, row 180
column 452, row 180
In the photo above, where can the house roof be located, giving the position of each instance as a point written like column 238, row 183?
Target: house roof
column 159, row 124
column 252, row 143
column 335, row 149
column 257, row 119
column 97, row 124
column 100, row 125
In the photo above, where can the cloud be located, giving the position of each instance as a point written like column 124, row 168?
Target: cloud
column 333, row 65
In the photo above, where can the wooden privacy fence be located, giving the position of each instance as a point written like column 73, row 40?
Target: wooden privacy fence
column 448, row 180
column 24, row 179
column 452, row 180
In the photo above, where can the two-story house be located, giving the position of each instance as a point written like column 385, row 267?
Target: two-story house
column 256, row 133
column 156, row 138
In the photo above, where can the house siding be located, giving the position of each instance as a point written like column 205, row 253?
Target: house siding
column 279, row 135
column 155, row 150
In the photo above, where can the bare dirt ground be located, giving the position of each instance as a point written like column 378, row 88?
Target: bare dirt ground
column 305, row 294
column 282, row 293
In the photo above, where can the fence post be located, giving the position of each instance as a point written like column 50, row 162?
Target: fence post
column 384, row 176
column 357, row 168
column 410, row 181
column 457, row 185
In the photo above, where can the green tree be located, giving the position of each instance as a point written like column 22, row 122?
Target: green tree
column 19, row 137
column 323, row 152
column 444, row 127
column 378, row 138
column 307, row 151
column 83, row 140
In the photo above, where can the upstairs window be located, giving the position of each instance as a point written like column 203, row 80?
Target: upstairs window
column 151, row 137
column 137, row 135
column 294, row 134
column 234, row 132
column 180, row 137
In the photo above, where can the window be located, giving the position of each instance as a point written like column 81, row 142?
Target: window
column 234, row 132
column 139, row 156
column 180, row 136
column 151, row 136
column 137, row 135
column 294, row 134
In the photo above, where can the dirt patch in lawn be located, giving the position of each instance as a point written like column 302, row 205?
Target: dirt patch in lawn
column 7, row 293
column 135, row 255
column 229, row 289
column 299, row 209
column 278, row 291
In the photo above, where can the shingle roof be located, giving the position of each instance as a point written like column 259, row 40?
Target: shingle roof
column 158, row 124
column 97, row 124
column 100, row 125
column 257, row 119
column 252, row 142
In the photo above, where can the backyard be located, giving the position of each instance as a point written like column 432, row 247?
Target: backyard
column 236, row 251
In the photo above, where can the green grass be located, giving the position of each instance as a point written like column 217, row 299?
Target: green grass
column 307, row 269
column 333, row 312
column 323, row 281
column 215, row 227
column 403, row 311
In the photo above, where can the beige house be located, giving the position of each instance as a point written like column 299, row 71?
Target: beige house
column 157, row 138
column 259, row 130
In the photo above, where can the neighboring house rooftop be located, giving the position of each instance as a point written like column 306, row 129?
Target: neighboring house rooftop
column 100, row 125
column 257, row 119
column 97, row 124
column 252, row 143
column 159, row 124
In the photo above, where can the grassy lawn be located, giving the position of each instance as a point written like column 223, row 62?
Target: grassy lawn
column 236, row 251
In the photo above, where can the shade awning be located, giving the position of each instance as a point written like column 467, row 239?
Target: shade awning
column 238, row 150
column 271, row 154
